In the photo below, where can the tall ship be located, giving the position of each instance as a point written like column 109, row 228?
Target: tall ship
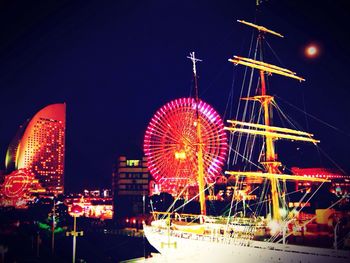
column 188, row 135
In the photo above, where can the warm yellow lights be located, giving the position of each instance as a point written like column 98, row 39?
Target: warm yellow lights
column 260, row 28
column 270, row 128
column 264, row 67
column 274, row 135
column 180, row 155
column 278, row 176
column 132, row 162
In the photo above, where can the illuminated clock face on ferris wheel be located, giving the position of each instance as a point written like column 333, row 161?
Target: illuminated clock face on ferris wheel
column 171, row 144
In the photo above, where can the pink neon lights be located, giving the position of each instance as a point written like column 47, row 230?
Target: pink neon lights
column 171, row 144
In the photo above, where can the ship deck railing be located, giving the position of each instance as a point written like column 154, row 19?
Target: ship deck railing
column 249, row 242
column 208, row 219
column 237, row 238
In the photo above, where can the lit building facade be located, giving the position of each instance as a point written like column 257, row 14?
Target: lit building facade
column 39, row 148
column 131, row 182
column 12, row 150
column 96, row 203
column 340, row 183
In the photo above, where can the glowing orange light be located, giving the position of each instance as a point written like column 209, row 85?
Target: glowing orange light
column 312, row 51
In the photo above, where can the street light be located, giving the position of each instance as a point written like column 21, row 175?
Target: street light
column 54, row 225
column 76, row 211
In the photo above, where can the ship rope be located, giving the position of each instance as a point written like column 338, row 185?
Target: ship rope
column 286, row 220
column 275, row 54
column 261, row 154
column 246, row 159
column 314, row 117
column 320, row 150
column 237, row 186
column 230, row 210
column 280, row 114
column 269, row 199
column 260, row 204
column 313, row 218
column 330, row 159
column 229, row 105
column 174, row 202
column 240, row 186
column 305, row 116
column 280, row 191
column 292, row 122
column 308, row 200
column 273, row 238
column 285, row 198
column 190, row 200
column 236, row 211
column 224, row 64
column 255, row 136
column 248, row 93
column 250, row 139
column 303, row 94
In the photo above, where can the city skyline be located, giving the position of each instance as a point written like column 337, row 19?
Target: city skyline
column 116, row 64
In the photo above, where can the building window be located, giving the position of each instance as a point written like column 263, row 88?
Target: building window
column 136, row 176
column 132, row 162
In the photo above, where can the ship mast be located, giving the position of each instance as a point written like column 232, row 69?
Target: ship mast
column 271, row 133
column 201, row 181
column 271, row 164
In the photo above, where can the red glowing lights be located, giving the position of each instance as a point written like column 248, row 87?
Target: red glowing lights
column 171, row 144
column 76, row 210
column 16, row 184
column 18, row 188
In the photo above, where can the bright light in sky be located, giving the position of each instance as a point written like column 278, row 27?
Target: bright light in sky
column 312, row 51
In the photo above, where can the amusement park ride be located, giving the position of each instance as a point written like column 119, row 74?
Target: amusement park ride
column 172, row 148
column 186, row 146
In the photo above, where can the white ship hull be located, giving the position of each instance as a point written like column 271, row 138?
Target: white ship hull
column 195, row 248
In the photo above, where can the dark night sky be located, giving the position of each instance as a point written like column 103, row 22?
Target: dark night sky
column 116, row 62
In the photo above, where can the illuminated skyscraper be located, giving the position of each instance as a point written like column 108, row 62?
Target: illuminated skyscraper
column 39, row 147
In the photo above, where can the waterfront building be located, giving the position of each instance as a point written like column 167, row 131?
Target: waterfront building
column 38, row 148
column 96, row 203
column 340, row 183
column 131, row 183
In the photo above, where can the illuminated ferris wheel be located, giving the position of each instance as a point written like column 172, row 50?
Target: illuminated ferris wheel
column 171, row 144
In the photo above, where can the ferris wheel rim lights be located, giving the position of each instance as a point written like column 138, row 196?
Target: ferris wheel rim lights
column 175, row 118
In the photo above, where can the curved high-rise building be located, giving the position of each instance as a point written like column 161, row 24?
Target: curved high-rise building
column 11, row 153
column 39, row 147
